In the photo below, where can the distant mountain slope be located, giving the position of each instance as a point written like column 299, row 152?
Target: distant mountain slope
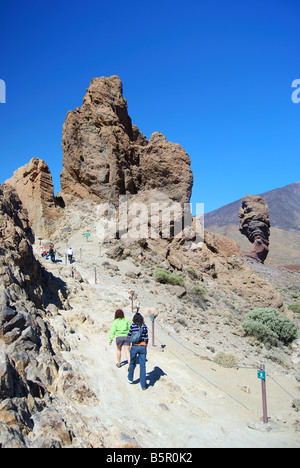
column 284, row 206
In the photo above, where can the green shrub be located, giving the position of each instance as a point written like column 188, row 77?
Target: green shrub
column 270, row 326
column 295, row 308
column 166, row 277
column 199, row 291
column 191, row 272
column 260, row 331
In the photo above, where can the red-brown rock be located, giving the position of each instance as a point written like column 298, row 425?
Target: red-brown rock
column 105, row 156
column 255, row 225
column 34, row 186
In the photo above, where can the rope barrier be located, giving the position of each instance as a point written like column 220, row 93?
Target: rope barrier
column 202, row 376
column 282, row 388
column 206, row 358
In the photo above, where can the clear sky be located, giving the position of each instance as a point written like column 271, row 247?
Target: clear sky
column 213, row 76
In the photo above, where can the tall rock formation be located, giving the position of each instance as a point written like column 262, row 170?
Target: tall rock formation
column 34, row 186
column 105, row 156
column 255, row 225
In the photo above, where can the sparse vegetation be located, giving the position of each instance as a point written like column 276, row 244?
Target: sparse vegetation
column 199, row 291
column 295, row 308
column 192, row 273
column 166, row 277
column 270, row 326
column 227, row 360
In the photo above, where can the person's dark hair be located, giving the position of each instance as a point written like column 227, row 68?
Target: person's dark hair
column 138, row 319
column 119, row 314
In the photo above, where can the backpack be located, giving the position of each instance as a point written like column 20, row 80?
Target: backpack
column 136, row 336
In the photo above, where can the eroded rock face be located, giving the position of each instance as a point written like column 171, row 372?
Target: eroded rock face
column 255, row 225
column 18, row 267
column 166, row 166
column 34, row 186
column 105, row 156
column 32, row 368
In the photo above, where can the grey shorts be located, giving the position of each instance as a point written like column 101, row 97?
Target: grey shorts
column 123, row 341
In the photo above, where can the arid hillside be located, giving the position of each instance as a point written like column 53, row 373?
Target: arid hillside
column 284, row 206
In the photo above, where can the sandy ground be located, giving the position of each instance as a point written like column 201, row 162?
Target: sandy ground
column 189, row 402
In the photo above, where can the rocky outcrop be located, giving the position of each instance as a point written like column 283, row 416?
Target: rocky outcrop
column 255, row 225
column 105, row 156
column 33, row 372
column 166, row 166
column 19, row 271
column 34, row 186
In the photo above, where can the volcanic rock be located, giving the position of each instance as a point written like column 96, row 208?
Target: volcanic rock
column 105, row 156
column 166, row 167
column 255, row 225
column 32, row 369
column 34, row 186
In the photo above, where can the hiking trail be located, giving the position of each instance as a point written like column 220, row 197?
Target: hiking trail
column 189, row 402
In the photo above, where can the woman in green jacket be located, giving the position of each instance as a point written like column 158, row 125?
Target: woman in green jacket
column 120, row 329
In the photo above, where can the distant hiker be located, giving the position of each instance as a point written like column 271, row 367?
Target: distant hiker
column 43, row 252
column 120, row 329
column 70, row 254
column 138, row 335
column 51, row 254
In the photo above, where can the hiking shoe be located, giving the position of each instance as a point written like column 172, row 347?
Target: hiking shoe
column 118, row 365
column 130, row 381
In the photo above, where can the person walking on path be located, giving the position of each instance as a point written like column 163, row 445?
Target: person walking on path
column 120, row 329
column 51, row 253
column 70, row 254
column 138, row 349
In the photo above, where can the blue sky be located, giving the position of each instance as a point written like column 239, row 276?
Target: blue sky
column 212, row 76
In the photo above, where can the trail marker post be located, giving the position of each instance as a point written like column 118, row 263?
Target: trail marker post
column 66, row 256
column 132, row 294
column 152, row 318
column 261, row 374
column 95, row 270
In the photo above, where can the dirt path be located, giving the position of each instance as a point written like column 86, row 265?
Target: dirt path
column 189, row 402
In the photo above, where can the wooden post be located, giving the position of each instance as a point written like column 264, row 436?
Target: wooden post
column 153, row 330
column 132, row 294
column 264, row 393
